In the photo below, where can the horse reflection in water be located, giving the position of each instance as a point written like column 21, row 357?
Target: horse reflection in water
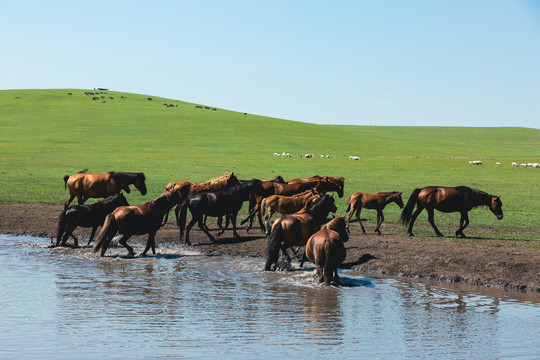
column 136, row 220
column 326, row 250
column 295, row 229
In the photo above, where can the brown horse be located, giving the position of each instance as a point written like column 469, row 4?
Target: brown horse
column 295, row 229
column 187, row 189
column 326, row 250
column 287, row 204
column 337, row 180
column 85, row 185
column 448, row 199
column 377, row 201
column 322, row 184
column 136, row 220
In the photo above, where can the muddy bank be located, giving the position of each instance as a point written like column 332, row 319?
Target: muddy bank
column 393, row 253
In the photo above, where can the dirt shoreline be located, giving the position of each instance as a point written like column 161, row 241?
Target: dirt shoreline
column 393, row 253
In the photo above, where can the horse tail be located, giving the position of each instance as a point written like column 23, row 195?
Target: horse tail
column 66, row 178
column 263, row 207
column 108, row 230
column 408, row 209
column 348, row 205
column 181, row 221
column 328, row 271
column 62, row 220
column 274, row 244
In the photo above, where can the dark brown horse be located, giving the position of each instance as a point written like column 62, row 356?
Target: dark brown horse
column 136, row 220
column 85, row 185
column 448, row 199
column 225, row 202
column 287, row 204
column 92, row 215
column 188, row 188
column 377, row 201
column 295, row 229
column 326, row 250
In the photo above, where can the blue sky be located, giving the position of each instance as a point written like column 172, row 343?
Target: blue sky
column 410, row 63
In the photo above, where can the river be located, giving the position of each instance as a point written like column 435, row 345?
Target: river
column 69, row 304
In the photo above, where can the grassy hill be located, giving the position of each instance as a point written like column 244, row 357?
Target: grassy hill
column 46, row 134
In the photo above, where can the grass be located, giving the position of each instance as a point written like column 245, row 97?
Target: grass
column 46, row 134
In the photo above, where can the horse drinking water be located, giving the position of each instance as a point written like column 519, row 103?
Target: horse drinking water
column 85, row 185
column 448, row 199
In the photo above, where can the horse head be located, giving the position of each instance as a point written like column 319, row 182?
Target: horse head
column 398, row 199
column 339, row 225
column 232, row 180
column 496, row 207
column 140, row 183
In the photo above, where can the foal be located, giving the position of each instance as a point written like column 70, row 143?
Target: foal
column 377, row 201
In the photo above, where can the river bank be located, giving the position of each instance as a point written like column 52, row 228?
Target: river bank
column 480, row 262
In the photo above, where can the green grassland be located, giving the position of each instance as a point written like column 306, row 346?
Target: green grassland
column 46, row 134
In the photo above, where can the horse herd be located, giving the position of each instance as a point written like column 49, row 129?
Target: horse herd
column 304, row 205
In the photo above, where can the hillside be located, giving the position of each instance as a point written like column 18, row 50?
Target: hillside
column 45, row 134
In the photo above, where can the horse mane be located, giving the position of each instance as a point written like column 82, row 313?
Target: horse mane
column 215, row 184
column 475, row 197
column 126, row 177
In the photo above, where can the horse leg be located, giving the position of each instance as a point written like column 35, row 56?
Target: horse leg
column 380, row 219
column 201, row 226
column 431, row 220
column 222, row 229
column 320, row 273
column 304, row 258
column 190, row 225
column 463, row 223
column 123, row 242
column 267, row 218
column 69, row 232
column 360, row 220
column 150, row 244
column 233, row 221
column 69, row 200
column 94, row 228
column 349, row 216
column 413, row 218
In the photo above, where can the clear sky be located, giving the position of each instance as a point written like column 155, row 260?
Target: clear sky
column 395, row 62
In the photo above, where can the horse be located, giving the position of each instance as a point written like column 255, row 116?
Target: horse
column 84, row 185
column 377, row 201
column 326, row 250
column 92, row 215
column 136, row 220
column 188, row 188
column 338, row 180
column 287, row 204
column 255, row 201
column 295, row 229
column 216, row 203
column 322, row 184
column 448, row 199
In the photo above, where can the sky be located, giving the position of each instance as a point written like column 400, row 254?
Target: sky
column 357, row 62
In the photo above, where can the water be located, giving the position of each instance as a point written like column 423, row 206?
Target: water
column 70, row 304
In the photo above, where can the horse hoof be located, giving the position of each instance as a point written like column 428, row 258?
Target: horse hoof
column 411, row 234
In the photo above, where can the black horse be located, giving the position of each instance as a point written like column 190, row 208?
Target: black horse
column 226, row 202
column 92, row 215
